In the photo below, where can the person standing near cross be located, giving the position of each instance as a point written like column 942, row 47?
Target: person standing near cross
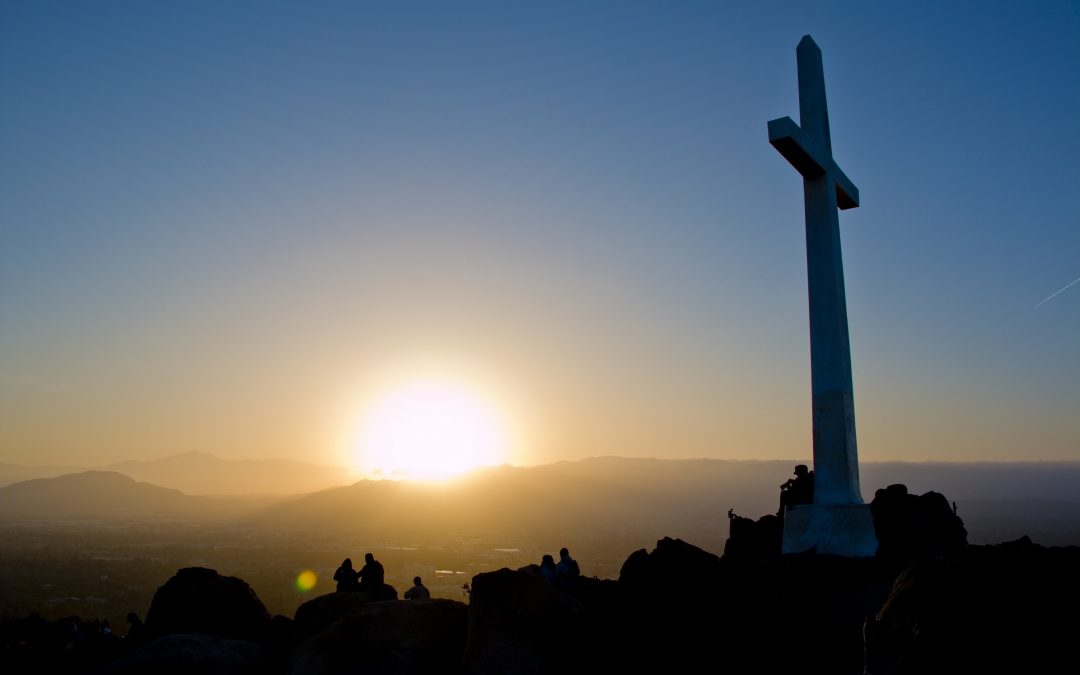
column 838, row 522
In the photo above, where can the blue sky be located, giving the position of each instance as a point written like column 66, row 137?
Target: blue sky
column 223, row 225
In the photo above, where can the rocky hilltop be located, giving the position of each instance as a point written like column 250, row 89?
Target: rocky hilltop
column 928, row 603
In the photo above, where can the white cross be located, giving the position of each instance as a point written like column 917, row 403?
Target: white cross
column 825, row 188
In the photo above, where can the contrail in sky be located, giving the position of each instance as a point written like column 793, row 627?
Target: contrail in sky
column 1054, row 295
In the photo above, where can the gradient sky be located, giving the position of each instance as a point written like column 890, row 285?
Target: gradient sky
column 227, row 226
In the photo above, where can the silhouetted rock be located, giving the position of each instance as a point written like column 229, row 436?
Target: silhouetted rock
column 752, row 541
column 668, row 568
column 912, row 527
column 318, row 613
column 388, row 638
column 635, row 567
column 670, row 598
column 279, row 640
column 33, row 645
column 199, row 600
column 518, row 623
column 192, row 654
column 781, row 614
column 1009, row 608
column 797, row 613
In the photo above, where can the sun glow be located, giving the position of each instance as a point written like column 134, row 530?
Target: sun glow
column 432, row 430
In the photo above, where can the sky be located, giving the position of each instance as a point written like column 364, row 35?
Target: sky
column 233, row 227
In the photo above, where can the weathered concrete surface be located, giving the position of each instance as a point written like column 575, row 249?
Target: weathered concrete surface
column 830, row 529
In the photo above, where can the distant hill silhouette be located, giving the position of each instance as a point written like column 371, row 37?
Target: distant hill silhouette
column 682, row 498
column 201, row 473
column 112, row 495
column 94, row 494
column 608, row 496
column 603, row 495
column 17, row 473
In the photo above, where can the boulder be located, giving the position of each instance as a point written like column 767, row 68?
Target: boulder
column 33, row 645
column 199, row 600
column 981, row 609
column 280, row 639
column 318, row 613
column 388, row 638
column 685, row 607
column 669, row 570
column 750, row 541
column 912, row 527
column 669, row 606
column 519, row 623
column 192, row 654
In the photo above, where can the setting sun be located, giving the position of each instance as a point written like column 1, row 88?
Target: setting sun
column 429, row 430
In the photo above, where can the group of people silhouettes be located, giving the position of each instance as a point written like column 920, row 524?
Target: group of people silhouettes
column 370, row 577
column 564, row 575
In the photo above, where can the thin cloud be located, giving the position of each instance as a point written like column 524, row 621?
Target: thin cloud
column 1054, row 295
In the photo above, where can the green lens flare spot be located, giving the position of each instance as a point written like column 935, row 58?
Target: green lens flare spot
column 306, row 580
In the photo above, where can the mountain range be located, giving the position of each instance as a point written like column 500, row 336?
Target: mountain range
column 609, row 496
column 201, row 473
column 94, row 494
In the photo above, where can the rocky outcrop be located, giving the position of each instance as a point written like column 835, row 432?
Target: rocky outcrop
column 319, row 613
column 670, row 597
column 685, row 607
column 192, row 654
column 388, row 638
column 670, row 563
column 1009, row 608
column 677, row 608
column 199, row 600
column 518, row 623
column 914, row 527
column 751, row 541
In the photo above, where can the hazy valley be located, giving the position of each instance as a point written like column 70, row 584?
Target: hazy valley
column 99, row 543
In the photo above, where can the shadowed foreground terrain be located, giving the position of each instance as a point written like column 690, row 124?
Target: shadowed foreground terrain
column 928, row 603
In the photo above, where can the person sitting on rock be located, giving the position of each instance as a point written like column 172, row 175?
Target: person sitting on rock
column 136, row 628
column 797, row 490
column 345, row 576
column 371, row 575
column 418, row 591
column 566, row 572
column 547, row 568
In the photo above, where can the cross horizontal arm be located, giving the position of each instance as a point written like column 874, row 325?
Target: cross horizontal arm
column 792, row 142
column 847, row 195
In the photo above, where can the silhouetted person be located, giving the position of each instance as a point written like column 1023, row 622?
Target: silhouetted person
column 797, row 490
column 136, row 628
column 371, row 575
column 345, row 576
column 547, row 568
column 418, row 591
column 567, row 571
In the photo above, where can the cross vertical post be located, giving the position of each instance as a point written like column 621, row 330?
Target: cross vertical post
column 837, row 522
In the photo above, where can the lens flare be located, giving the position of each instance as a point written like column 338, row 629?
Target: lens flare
column 306, row 580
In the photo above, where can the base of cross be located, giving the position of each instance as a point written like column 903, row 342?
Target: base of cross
column 833, row 529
